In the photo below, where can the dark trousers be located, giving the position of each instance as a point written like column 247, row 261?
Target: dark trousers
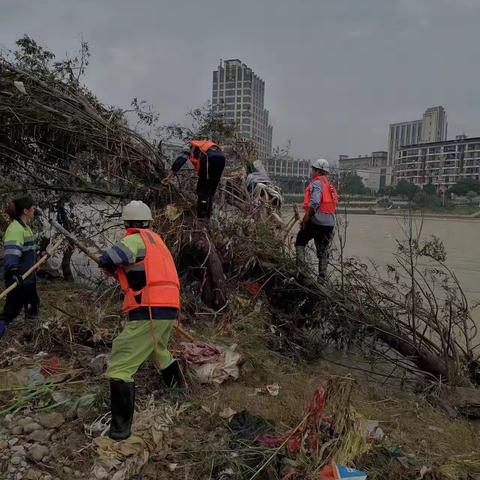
column 322, row 236
column 21, row 297
column 211, row 170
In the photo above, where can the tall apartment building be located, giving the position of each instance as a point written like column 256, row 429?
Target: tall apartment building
column 440, row 163
column 431, row 128
column 434, row 125
column 238, row 94
column 403, row 133
column 371, row 168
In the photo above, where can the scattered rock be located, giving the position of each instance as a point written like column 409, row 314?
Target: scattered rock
column 37, row 452
column 19, row 450
column 24, row 421
column 40, row 436
column 17, row 430
column 51, row 420
column 31, row 427
column 16, row 460
column 33, row 474
column 3, row 445
column 13, row 441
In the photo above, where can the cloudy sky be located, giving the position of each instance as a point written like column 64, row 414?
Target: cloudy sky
column 337, row 72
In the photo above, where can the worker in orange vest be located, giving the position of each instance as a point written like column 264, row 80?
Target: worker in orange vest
column 209, row 162
column 320, row 203
column 148, row 278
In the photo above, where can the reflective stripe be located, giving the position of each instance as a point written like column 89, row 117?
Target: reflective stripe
column 115, row 257
column 13, row 244
column 150, row 238
column 12, row 251
column 125, row 254
column 29, row 248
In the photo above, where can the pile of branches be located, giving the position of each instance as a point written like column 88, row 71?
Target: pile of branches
column 83, row 160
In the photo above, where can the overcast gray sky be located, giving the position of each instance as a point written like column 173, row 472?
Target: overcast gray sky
column 337, row 72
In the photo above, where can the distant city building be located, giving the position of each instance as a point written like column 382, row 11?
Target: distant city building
column 290, row 174
column 238, row 94
column 439, row 163
column 404, row 133
column 431, row 128
column 371, row 168
column 434, row 125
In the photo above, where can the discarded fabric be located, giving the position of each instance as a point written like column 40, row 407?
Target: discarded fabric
column 212, row 364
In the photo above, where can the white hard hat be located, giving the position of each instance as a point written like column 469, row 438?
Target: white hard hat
column 136, row 210
column 321, row 164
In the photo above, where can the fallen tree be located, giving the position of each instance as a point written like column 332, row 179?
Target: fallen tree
column 83, row 161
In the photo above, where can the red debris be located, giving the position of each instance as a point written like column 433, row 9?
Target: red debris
column 253, row 287
column 51, row 367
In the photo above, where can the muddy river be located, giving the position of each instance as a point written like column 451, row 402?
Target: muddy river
column 374, row 237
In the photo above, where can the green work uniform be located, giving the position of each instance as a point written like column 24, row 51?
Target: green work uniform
column 141, row 339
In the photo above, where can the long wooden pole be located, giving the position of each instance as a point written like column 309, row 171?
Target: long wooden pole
column 32, row 269
column 95, row 258
column 75, row 241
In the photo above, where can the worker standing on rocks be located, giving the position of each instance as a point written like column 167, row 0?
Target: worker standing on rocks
column 147, row 275
column 320, row 203
column 209, row 162
column 19, row 256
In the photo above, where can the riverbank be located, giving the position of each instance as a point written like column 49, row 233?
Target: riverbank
column 193, row 439
column 460, row 213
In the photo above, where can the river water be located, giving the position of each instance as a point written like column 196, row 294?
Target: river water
column 373, row 237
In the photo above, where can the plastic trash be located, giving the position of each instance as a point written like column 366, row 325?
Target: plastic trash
column 341, row 472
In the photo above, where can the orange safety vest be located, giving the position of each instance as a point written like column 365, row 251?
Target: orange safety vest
column 329, row 200
column 162, row 287
column 204, row 146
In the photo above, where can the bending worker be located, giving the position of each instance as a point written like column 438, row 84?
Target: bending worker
column 209, row 162
column 19, row 256
column 320, row 203
column 145, row 269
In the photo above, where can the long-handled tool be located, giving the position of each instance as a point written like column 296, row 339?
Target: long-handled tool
column 95, row 258
column 35, row 267
column 75, row 241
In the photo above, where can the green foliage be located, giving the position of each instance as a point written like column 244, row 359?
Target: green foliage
column 352, row 184
column 471, row 196
column 424, row 200
column 430, row 189
column 206, row 124
column 40, row 62
column 464, row 186
column 406, row 189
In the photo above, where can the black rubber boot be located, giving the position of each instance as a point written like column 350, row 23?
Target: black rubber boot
column 202, row 208
column 173, row 376
column 122, row 401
